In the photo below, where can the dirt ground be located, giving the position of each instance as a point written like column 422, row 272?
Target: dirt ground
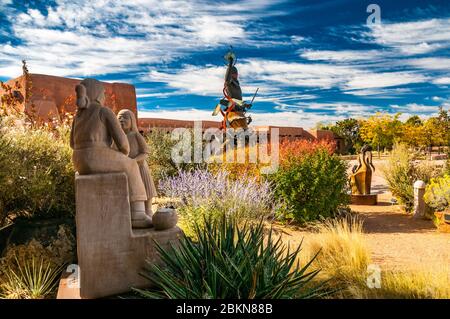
column 394, row 238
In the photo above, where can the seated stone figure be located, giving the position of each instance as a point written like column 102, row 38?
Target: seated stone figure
column 94, row 129
column 138, row 151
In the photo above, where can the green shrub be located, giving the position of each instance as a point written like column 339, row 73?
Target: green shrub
column 230, row 262
column 36, row 172
column 401, row 171
column 437, row 193
column 311, row 185
column 160, row 157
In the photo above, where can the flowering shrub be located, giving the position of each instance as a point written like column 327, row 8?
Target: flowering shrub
column 311, row 182
column 437, row 193
column 201, row 193
column 401, row 171
column 292, row 150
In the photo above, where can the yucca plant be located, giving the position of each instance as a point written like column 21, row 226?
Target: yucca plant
column 229, row 261
column 30, row 279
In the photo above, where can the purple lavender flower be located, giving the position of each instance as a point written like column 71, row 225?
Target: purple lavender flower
column 243, row 197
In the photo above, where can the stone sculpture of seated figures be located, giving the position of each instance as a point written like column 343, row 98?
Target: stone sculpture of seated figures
column 94, row 129
column 139, row 151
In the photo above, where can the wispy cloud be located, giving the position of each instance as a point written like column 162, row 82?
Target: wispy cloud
column 415, row 108
column 208, row 80
column 431, row 63
column 98, row 37
column 443, row 80
column 343, row 55
column 412, row 38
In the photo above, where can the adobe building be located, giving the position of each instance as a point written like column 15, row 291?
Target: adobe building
column 51, row 97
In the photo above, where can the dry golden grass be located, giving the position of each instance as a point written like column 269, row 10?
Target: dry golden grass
column 344, row 259
column 433, row 282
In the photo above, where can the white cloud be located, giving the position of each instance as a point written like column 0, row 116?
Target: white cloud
column 274, row 77
column 415, row 108
column 108, row 36
column 385, row 79
column 343, row 55
column 412, row 38
column 431, row 63
column 380, row 92
column 201, row 81
column 443, row 80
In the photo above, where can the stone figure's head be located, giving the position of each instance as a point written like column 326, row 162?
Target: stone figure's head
column 127, row 120
column 90, row 91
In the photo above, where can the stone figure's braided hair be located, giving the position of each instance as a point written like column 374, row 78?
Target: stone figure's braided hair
column 89, row 91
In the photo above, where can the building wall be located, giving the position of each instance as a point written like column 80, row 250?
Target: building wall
column 52, row 96
column 148, row 124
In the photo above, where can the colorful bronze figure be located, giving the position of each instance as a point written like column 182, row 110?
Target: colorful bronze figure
column 231, row 106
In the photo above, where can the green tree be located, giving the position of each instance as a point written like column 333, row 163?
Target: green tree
column 349, row 130
column 434, row 134
column 443, row 122
column 414, row 120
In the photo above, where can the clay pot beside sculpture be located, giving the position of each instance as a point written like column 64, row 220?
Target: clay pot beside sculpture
column 165, row 218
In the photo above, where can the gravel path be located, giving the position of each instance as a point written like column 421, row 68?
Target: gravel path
column 397, row 240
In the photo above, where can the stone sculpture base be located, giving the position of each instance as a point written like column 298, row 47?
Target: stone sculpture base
column 110, row 253
column 370, row 199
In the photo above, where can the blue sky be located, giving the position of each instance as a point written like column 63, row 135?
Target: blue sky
column 312, row 60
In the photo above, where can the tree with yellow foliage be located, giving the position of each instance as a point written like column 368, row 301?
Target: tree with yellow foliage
column 413, row 132
column 381, row 130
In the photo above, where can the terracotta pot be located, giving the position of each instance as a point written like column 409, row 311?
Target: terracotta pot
column 165, row 218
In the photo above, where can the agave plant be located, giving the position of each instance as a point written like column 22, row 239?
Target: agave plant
column 31, row 279
column 229, row 261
